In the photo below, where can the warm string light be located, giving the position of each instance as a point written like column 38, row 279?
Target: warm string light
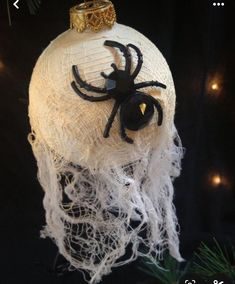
column 217, row 180
column 214, row 86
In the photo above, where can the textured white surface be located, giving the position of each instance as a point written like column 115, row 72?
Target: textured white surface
column 118, row 182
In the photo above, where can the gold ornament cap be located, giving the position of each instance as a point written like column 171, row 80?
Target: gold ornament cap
column 94, row 15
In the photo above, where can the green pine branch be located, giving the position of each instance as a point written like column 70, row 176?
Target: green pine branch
column 168, row 271
column 211, row 261
column 206, row 263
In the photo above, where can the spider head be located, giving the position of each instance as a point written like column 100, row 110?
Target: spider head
column 119, row 84
column 137, row 111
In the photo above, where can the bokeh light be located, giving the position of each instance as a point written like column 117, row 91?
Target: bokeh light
column 216, row 180
column 214, row 86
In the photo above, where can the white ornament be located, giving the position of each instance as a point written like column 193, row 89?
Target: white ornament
column 101, row 193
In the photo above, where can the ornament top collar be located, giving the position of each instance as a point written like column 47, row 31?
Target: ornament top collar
column 94, row 15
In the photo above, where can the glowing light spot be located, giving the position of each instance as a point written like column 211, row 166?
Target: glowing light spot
column 216, row 180
column 214, row 86
column 219, row 180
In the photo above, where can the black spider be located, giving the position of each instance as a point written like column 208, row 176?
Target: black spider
column 137, row 108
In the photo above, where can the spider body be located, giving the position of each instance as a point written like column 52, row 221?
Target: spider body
column 137, row 111
column 136, row 108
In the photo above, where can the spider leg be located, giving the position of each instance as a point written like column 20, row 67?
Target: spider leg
column 114, row 66
column 140, row 60
column 124, row 135
column 124, row 50
column 159, row 109
column 89, row 98
column 84, row 84
column 104, row 75
column 111, row 119
column 149, row 84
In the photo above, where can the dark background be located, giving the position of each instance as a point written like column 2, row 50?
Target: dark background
column 198, row 42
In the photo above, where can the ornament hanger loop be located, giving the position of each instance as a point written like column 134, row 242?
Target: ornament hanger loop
column 94, row 15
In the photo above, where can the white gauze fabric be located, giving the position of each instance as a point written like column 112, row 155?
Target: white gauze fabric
column 102, row 194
